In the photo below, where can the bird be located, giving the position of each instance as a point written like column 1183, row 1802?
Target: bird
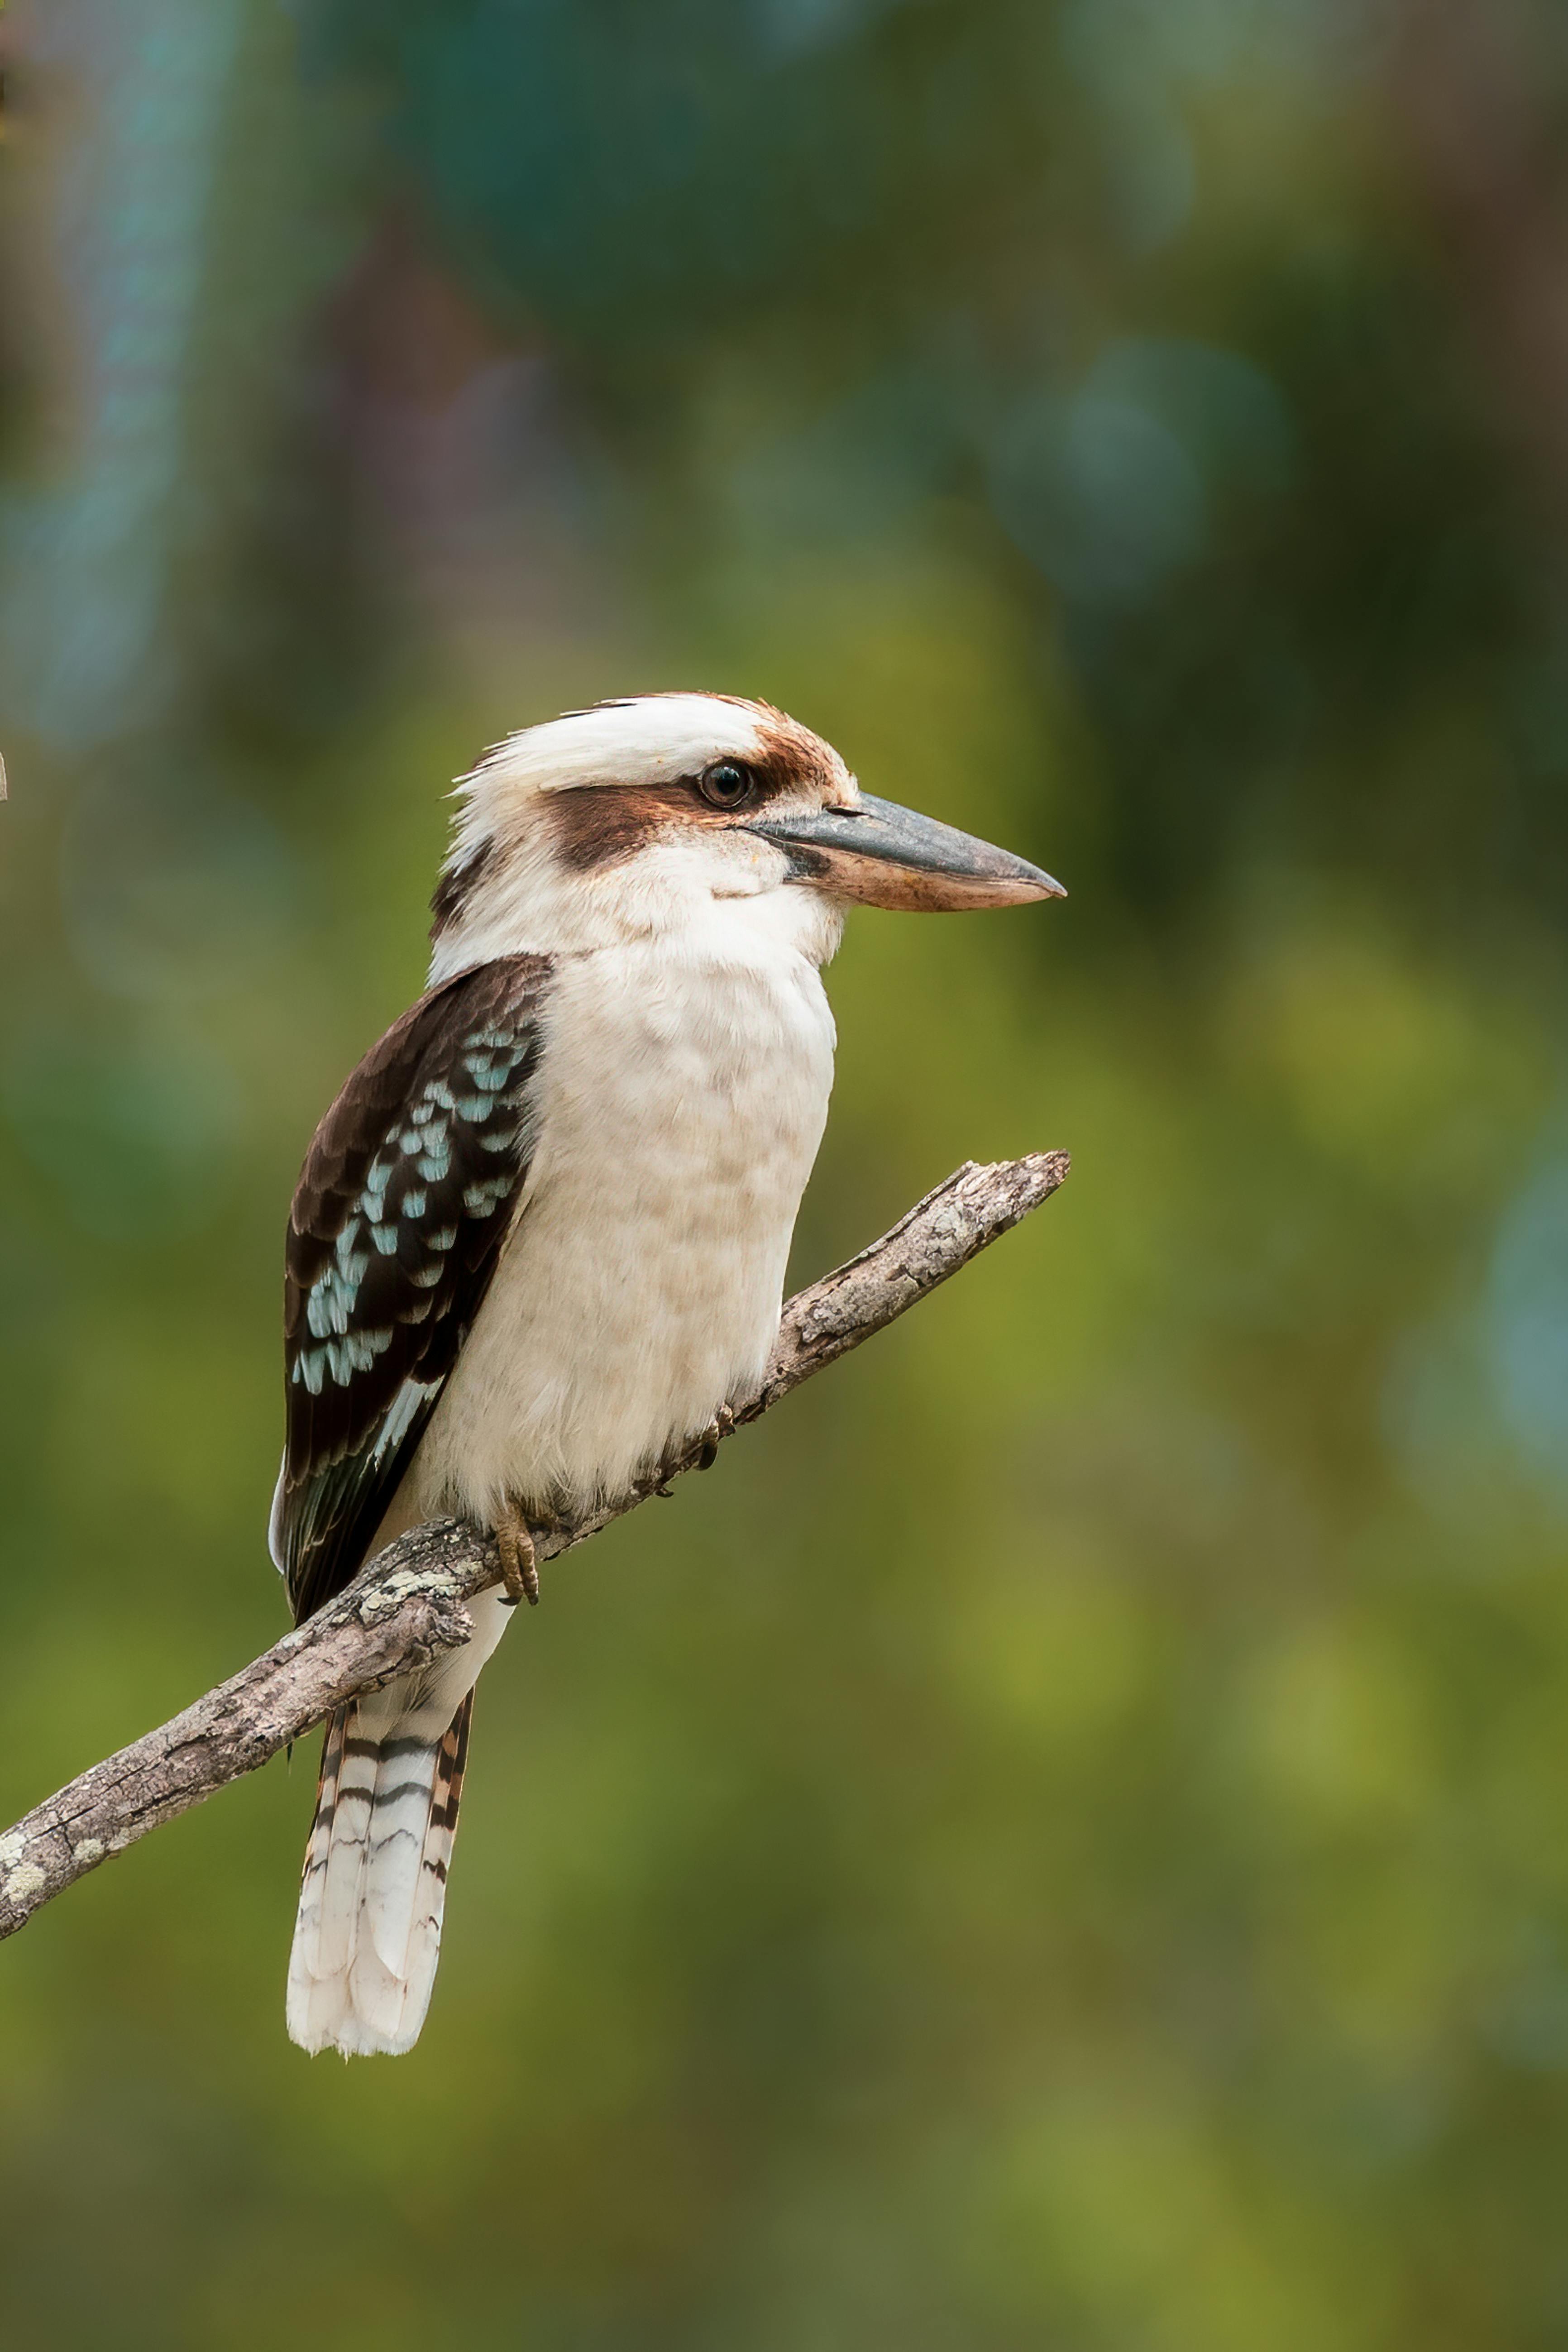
column 538, row 1245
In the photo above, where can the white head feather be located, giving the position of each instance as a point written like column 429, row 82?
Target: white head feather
column 502, row 880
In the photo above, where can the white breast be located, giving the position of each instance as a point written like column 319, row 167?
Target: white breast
column 683, row 1100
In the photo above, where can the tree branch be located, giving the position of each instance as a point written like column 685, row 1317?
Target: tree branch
column 405, row 1607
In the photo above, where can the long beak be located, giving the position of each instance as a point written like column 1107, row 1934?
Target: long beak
column 885, row 856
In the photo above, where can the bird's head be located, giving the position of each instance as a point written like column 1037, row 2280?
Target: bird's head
column 650, row 814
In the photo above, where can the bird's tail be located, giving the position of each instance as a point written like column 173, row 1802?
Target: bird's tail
column 368, row 1934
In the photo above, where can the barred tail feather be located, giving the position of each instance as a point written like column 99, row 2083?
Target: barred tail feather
column 368, row 1934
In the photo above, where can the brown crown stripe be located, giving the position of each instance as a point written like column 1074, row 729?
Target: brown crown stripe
column 795, row 756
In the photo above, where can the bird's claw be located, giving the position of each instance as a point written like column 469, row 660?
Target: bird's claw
column 518, row 1562
column 718, row 1428
column 658, row 1482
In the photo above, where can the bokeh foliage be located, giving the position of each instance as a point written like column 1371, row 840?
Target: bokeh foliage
column 1060, row 1841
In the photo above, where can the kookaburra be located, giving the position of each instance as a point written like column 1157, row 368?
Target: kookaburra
column 539, row 1241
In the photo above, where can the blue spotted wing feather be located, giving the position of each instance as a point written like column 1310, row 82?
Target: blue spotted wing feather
column 407, row 1197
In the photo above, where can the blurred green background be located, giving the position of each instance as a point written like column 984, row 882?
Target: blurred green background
column 1062, row 1841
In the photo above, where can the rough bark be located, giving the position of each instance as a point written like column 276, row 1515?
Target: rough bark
column 406, row 1605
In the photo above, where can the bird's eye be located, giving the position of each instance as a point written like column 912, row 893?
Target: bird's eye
column 727, row 785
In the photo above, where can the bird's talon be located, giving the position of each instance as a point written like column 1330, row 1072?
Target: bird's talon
column 717, row 1430
column 519, row 1565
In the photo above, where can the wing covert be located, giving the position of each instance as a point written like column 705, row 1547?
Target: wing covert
column 405, row 1198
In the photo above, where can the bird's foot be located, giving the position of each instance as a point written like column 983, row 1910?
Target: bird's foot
column 657, row 1481
column 722, row 1426
column 519, row 1565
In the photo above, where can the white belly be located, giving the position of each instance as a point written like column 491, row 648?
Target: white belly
column 683, row 1107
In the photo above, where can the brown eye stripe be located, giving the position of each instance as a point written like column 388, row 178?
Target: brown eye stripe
column 601, row 825
column 596, row 826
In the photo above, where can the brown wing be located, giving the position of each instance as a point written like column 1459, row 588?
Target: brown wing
column 406, row 1196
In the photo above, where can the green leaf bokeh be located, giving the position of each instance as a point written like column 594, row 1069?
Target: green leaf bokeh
column 1061, row 1840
